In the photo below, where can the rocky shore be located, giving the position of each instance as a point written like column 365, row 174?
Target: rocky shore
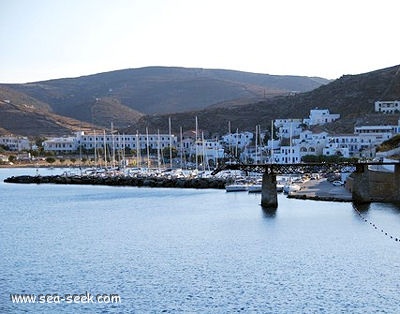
column 197, row 183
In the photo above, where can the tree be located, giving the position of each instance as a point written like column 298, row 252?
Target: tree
column 12, row 158
column 50, row 160
column 165, row 152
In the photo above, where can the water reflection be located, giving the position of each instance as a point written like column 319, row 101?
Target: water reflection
column 361, row 208
column 269, row 212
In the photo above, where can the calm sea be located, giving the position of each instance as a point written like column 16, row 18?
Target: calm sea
column 187, row 250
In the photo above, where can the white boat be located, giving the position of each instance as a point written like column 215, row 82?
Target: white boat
column 255, row 188
column 279, row 187
column 288, row 188
column 236, row 187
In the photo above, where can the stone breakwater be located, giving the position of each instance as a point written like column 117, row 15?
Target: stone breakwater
column 196, row 183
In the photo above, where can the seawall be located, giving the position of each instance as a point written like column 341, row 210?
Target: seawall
column 197, row 183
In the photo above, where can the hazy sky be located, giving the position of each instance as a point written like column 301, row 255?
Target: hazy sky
column 46, row 39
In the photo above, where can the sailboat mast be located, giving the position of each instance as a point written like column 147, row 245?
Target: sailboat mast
column 137, row 149
column 204, row 151
column 256, row 143
column 170, row 142
column 113, row 144
column 148, row 148
column 181, row 135
column 196, row 142
column 95, row 149
column 158, row 149
column 105, row 149
column 290, row 144
column 272, row 141
column 230, row 138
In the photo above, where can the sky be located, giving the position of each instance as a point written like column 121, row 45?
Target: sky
column 49, row 39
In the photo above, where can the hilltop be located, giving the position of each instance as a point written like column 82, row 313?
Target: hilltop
column 134, row 99
column 352, row 96
column 125, row 96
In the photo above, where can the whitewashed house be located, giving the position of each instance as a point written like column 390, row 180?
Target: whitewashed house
column 387, row 106
column 287, row 128
column 208, row 150
column 61, row 144
column 355, row 145
column 311, row 143
column 237, row 140
column 15, row 143
column 111, row 141
column 288, row 155
column 320, row 117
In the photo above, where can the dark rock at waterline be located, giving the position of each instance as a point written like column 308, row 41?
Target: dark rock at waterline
column 198, row 183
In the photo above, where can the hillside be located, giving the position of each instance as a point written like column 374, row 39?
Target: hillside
column 352, row 96
column 243, row 103
column 125, row 95
column 23, row 119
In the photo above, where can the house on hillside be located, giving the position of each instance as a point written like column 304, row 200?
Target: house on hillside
column 355, row 145
column 287, row 128
column 311, row 143
column 384, row 106
column 237, row 140
column 320, row 117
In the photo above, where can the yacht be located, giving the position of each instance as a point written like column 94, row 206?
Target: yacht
column 237, row 186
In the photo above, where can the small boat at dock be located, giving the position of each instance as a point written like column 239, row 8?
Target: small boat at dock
column 255, row 188
column 237, row 186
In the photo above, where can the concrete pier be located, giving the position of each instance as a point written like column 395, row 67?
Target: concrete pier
column 269, row 197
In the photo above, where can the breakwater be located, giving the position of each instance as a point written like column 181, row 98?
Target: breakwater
column 147, row 181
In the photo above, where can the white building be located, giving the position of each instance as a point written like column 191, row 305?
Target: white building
column 311, row 143
column 392, row 106
column 208, row 150
column 287, row 128
column 15, row 143
column 259, row 154
column 355, row 145
column 287, row 155
column 110, row 141
column 320, row 117
column 121, row 141
column 376, row 129
column 61, row 145
column 237, row 140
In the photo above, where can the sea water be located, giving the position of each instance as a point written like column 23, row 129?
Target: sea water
column 188, row 250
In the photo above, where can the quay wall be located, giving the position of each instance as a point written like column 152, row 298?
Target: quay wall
column 197, row 183
column 379, row 186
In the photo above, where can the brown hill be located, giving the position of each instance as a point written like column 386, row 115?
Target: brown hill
column 352, row 96
column 27, row 120
column 127, row 94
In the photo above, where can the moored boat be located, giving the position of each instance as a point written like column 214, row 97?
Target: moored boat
column 255, row 188
column 236, row 187
column 288, row 188
column 279, row 187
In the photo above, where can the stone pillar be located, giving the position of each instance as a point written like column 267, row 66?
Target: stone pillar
column 396, row 183
column 360, row 191
column 269, row 197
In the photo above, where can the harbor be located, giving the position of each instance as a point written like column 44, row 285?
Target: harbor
column 231, row 181
column 194, row 250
